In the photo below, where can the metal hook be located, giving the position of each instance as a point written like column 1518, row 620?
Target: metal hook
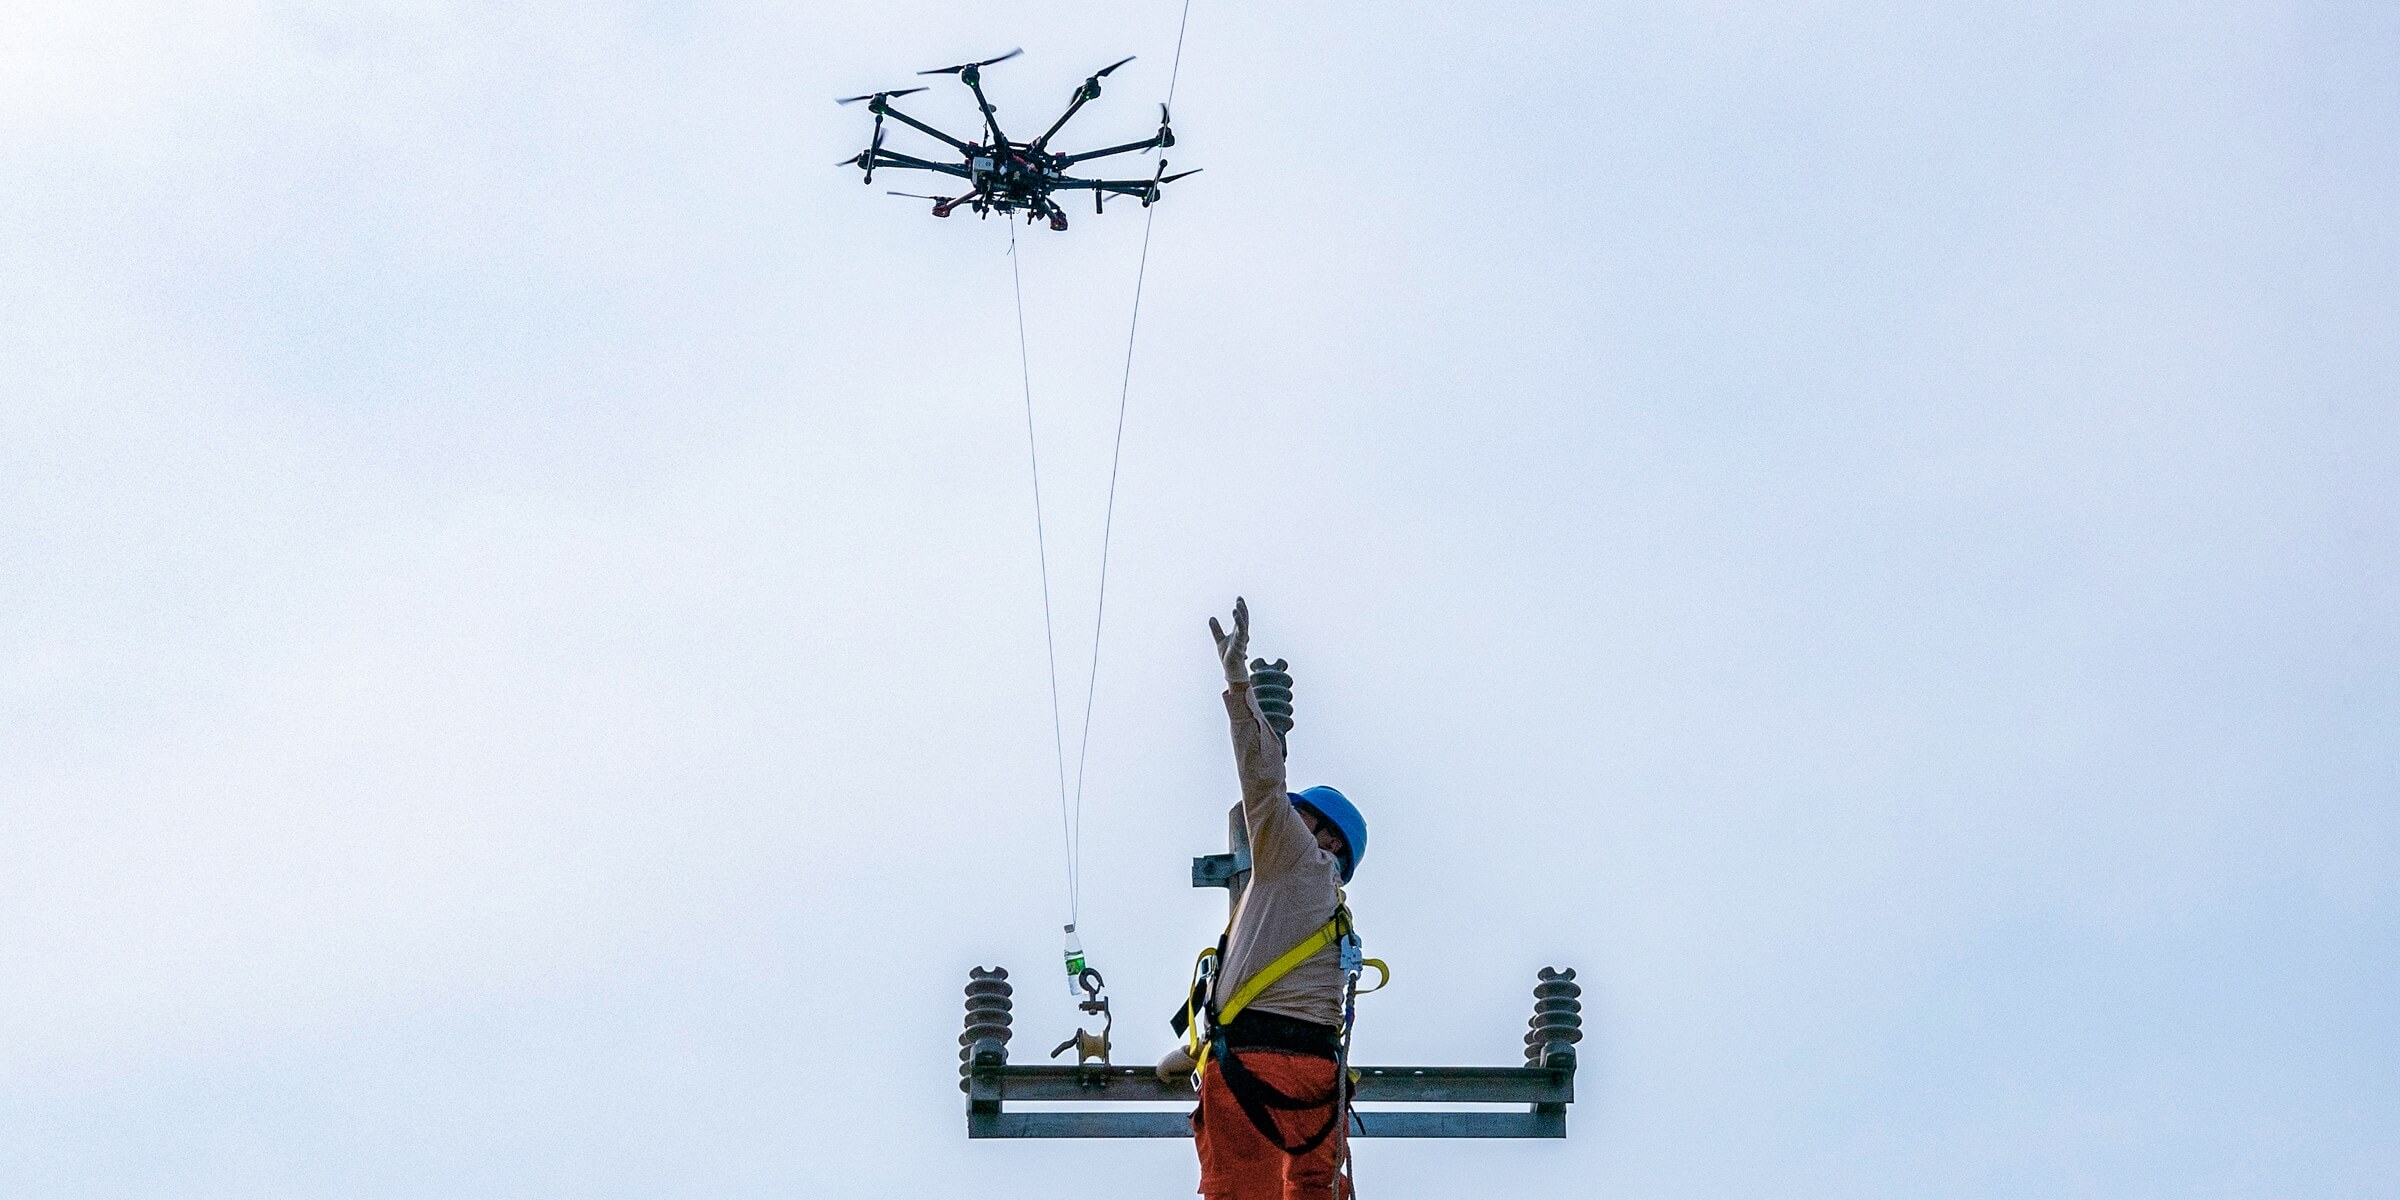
column 1090, row 1047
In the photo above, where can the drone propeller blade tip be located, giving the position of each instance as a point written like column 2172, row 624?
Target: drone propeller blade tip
column 1112, row 66
column 872, row 95
column 963, row 66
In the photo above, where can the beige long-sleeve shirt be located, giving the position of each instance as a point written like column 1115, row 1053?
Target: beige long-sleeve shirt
column 1294, row 884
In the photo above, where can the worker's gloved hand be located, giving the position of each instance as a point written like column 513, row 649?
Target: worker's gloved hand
column 1234, row 650
column 1176, row 1065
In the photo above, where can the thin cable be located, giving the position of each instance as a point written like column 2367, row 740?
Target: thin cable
column 1116, row 457
column 1176, row 71
column 1058, row 724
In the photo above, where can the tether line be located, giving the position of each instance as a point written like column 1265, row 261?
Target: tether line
column 1041, row 541
column 1108, row 525
column 1070, row 812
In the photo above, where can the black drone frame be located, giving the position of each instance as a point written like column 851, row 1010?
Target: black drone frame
column 1005, row 176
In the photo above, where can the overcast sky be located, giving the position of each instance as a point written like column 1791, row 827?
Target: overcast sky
column 1867, row 529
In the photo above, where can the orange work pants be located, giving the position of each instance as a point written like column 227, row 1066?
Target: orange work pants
column 1237, row 1162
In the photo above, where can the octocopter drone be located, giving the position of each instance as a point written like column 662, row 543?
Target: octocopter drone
column 1004, row 176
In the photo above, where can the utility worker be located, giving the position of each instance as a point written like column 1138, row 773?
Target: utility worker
column 1269, row 1125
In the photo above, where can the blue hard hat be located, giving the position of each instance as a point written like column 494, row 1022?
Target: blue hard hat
column 1336, row 807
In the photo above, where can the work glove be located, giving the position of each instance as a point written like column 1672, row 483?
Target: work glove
column 1234, row 650
column 1176, row 1065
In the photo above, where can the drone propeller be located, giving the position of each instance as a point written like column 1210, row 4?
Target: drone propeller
column 918, row 196
column 872, row 95
column 1102, row 73
column 867, row 159
column 963, row 67
column 1161, row 178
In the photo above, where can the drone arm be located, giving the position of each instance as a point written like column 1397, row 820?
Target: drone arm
column 924, row 128
column 1082, row 96
column 885, row 158
column 1127, row 148
column 1126, row 187
column 1144, row 190
column 991, row 124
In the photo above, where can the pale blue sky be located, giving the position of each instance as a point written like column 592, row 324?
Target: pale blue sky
column 1867, row 529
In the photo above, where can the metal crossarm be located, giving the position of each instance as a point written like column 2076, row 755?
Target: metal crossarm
column 1545, row 1091
column 1545, row 1085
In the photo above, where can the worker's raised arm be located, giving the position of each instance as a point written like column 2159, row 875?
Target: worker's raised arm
column 1279, row 839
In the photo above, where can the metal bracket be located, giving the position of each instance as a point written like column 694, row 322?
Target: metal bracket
column 1218, row 870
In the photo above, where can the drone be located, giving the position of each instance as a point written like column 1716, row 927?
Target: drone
column 1004, row 176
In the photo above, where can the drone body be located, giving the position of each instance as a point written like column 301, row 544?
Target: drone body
column 1005, row 176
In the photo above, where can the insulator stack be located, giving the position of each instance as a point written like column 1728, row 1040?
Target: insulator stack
column 985, row 1041
column 1272, row 684
column 1557, row 1022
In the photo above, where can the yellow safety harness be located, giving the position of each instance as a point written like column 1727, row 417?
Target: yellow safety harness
column 1336, row 931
